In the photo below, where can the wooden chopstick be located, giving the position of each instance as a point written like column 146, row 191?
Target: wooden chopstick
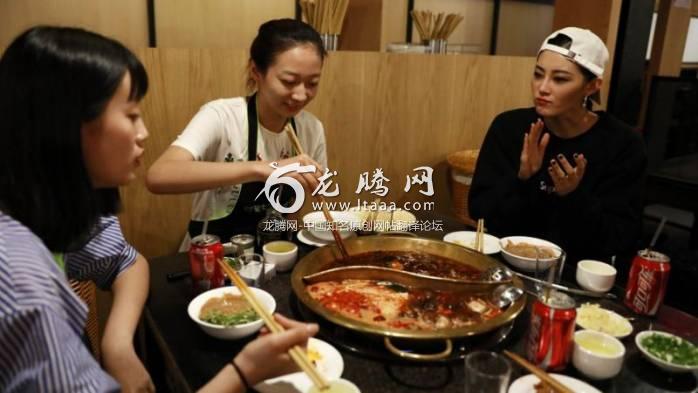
column 320, row 198
column 479, row 236
column 545, row 377
column 297, row 353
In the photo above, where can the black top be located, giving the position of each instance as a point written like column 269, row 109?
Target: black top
column 601, row 218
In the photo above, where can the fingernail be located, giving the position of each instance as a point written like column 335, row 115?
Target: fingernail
column 312, row 328
column 575, row 155
column 559, row 156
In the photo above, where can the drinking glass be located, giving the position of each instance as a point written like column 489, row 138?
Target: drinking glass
column 252, row 269
column 486, row 372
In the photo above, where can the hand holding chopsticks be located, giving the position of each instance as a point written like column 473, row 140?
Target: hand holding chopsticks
column 297, row 353
column 542, row 375
column 320, row 198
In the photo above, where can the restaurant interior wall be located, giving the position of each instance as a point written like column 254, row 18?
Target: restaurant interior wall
column 125, row 20
column 380, row 110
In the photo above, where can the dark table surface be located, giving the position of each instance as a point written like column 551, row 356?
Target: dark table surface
column 191, row 357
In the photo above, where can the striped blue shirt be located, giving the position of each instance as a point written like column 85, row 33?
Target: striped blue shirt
column 42, row 320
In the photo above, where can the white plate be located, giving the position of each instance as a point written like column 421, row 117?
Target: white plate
column 663, row 364
column 330, row 365
column 611, row 315
column 467, row 239
column 526, row 384
column 305, row 237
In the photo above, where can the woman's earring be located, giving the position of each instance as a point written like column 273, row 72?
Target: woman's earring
column 584, row 102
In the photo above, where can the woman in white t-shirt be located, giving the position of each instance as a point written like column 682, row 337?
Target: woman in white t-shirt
column 224, row 153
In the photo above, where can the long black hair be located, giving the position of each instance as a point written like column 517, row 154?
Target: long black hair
column 52, row 81
column 277, row 36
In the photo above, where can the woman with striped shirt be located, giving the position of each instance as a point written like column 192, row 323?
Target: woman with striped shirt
column 71, row 134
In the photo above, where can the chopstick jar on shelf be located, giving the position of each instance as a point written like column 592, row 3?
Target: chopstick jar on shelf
column 297, row 353
column 337, row 238
column 433, row 26
column 538, row 372
column 326, row 16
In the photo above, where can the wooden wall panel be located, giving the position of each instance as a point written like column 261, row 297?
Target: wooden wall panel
column 215, row 23
column 523, row 36
column 125, row 20
column 380, row 110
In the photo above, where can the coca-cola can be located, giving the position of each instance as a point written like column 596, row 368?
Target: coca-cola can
column 204, row 253
column 550, row 337
column 647, row 282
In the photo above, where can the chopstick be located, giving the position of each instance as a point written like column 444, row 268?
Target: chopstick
column 545, row 377
column 297, row 354
column 320, row 198
column 479, row 236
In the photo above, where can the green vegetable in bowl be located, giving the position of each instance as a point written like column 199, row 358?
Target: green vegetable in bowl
column 671, row 349
column 219, row 318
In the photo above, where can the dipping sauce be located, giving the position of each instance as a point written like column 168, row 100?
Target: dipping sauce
column 597, row 346
column 280, row 246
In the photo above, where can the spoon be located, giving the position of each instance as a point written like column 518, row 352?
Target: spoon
column 500, row 273
column 505, row 295
column 497, row 273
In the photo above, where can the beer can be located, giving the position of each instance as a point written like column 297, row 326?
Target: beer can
column 243, row 244
column 647, row 282
column 550, row 337
column 204, row 253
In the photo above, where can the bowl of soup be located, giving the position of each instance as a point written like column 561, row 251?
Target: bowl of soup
column 523, row 251
column 224, row 313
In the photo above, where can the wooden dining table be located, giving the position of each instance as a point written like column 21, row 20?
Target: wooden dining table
column 182, row 358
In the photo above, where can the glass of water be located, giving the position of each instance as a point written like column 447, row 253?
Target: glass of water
column 252, row 269
column 486, row 372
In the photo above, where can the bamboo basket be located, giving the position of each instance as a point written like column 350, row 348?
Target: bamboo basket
column 461, row 170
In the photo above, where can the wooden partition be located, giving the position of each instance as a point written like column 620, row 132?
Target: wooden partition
column 389, row 111
column 125, row 20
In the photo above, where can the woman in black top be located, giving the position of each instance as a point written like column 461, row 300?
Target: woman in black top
column 560, row 171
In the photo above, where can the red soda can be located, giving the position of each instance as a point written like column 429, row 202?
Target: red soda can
column 204, row 253
column 550, row 337
column 647, row 282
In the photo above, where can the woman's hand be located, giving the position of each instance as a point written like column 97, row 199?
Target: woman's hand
column 123, row 364
column 267, row 356
column 533, row 150
column 309, row 181
column 565, row 177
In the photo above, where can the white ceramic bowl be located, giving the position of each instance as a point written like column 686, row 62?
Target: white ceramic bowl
column 284, row 260
column 524, row 263
column 663, row 364
column 467, row 239
column 594, row 364
column 595, row 276
column 317, row 225
column 229, row 332
column 340, row 385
